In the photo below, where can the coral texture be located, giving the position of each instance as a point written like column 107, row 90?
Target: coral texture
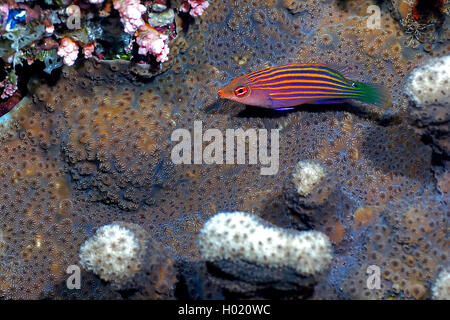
column 429, row 84
column 239, row 235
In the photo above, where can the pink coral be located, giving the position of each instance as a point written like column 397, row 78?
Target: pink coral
column 131, row 12
column 88, row 50
column 154, row 42
column 197, row 7
column 8, row 89
column 68, row 49
column 50, row 29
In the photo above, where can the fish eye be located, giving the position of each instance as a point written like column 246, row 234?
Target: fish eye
column 354, row 85
column 240, row 91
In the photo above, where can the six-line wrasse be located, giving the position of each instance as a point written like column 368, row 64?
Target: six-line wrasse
column 286, row 86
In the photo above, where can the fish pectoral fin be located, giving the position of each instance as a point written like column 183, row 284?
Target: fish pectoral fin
column 270, row 103
column 284, row 108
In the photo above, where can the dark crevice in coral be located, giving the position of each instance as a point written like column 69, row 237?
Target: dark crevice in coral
column 181, row 289
column 304, row 218
column 24, row 73
column 427, row 8
column 217, row 272
column 127, row 294
column 271, row 294
column 186, row 21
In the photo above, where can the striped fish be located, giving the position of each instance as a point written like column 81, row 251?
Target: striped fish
column 290, row 85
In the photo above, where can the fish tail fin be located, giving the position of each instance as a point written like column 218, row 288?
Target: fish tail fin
column 374, row 94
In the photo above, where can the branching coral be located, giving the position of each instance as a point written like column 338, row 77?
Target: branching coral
column 131, row 12
column 154, row 42
column 68, row 50
column 31, row 34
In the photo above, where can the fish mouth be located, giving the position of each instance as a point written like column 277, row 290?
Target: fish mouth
column 220, row 93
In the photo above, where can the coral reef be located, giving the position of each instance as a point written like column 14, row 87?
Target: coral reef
column 422, row 20
column 307, row 176
column 130, row 14
column 33, row 33
column 68, row 50
column 406, row 240
column 151, row 41
column 96, row 142
column 194, row 7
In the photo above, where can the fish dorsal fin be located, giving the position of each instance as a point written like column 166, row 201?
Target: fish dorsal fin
column 341, row 70
column 349, row 75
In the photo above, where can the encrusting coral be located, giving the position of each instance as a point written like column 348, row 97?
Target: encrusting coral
column 307, row 176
